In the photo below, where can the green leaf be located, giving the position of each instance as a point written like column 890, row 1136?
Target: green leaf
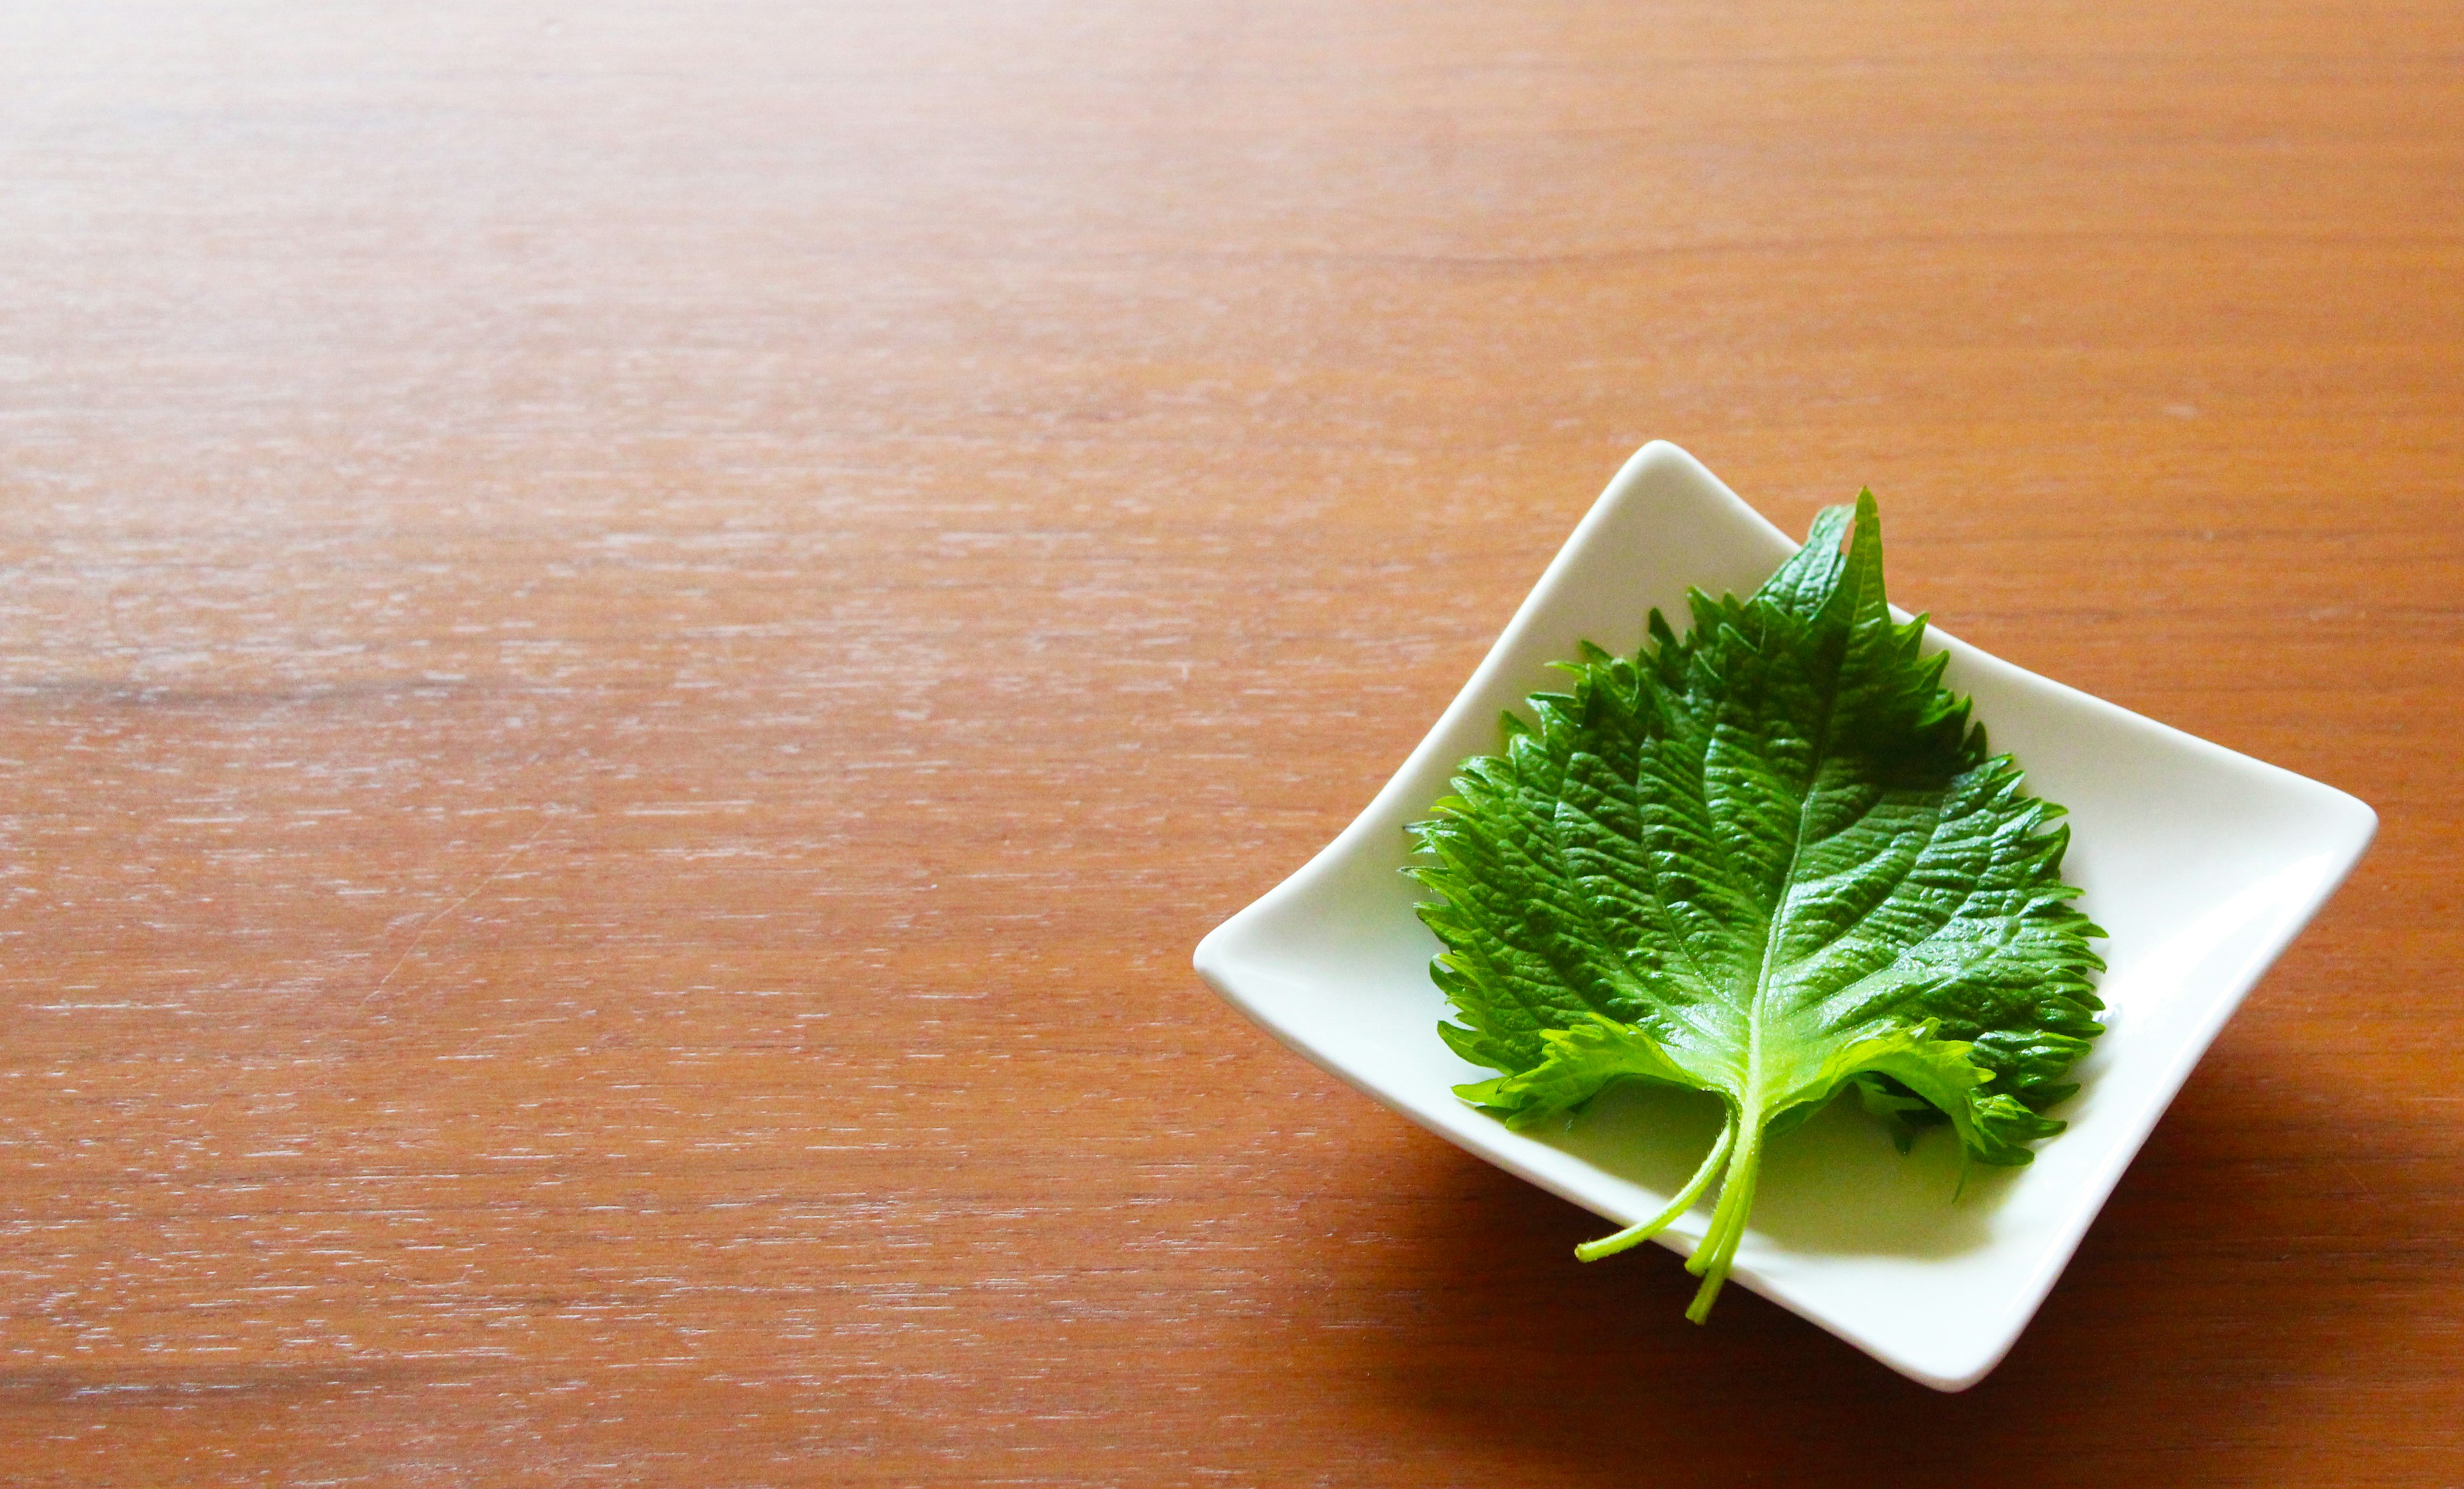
column 1770, row 860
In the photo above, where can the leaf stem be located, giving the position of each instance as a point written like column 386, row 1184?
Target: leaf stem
column 1719, row 1247
column 1636, row 1234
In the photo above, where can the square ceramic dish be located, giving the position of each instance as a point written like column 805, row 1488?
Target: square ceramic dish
column 2201, row 862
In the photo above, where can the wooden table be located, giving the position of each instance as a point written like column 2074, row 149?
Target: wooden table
column 637, row 640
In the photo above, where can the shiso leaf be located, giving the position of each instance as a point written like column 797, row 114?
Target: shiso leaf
column 1771, row 859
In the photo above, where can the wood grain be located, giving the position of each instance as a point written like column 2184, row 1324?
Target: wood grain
column 637, row 639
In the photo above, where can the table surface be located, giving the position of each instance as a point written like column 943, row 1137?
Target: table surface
column 638, row 639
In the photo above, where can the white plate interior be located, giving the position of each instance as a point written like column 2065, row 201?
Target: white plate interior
column 2201, row 862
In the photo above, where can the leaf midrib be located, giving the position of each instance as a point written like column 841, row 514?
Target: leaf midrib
column 1750, row 1099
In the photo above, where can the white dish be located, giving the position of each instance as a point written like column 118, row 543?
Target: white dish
column 2202, row 864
